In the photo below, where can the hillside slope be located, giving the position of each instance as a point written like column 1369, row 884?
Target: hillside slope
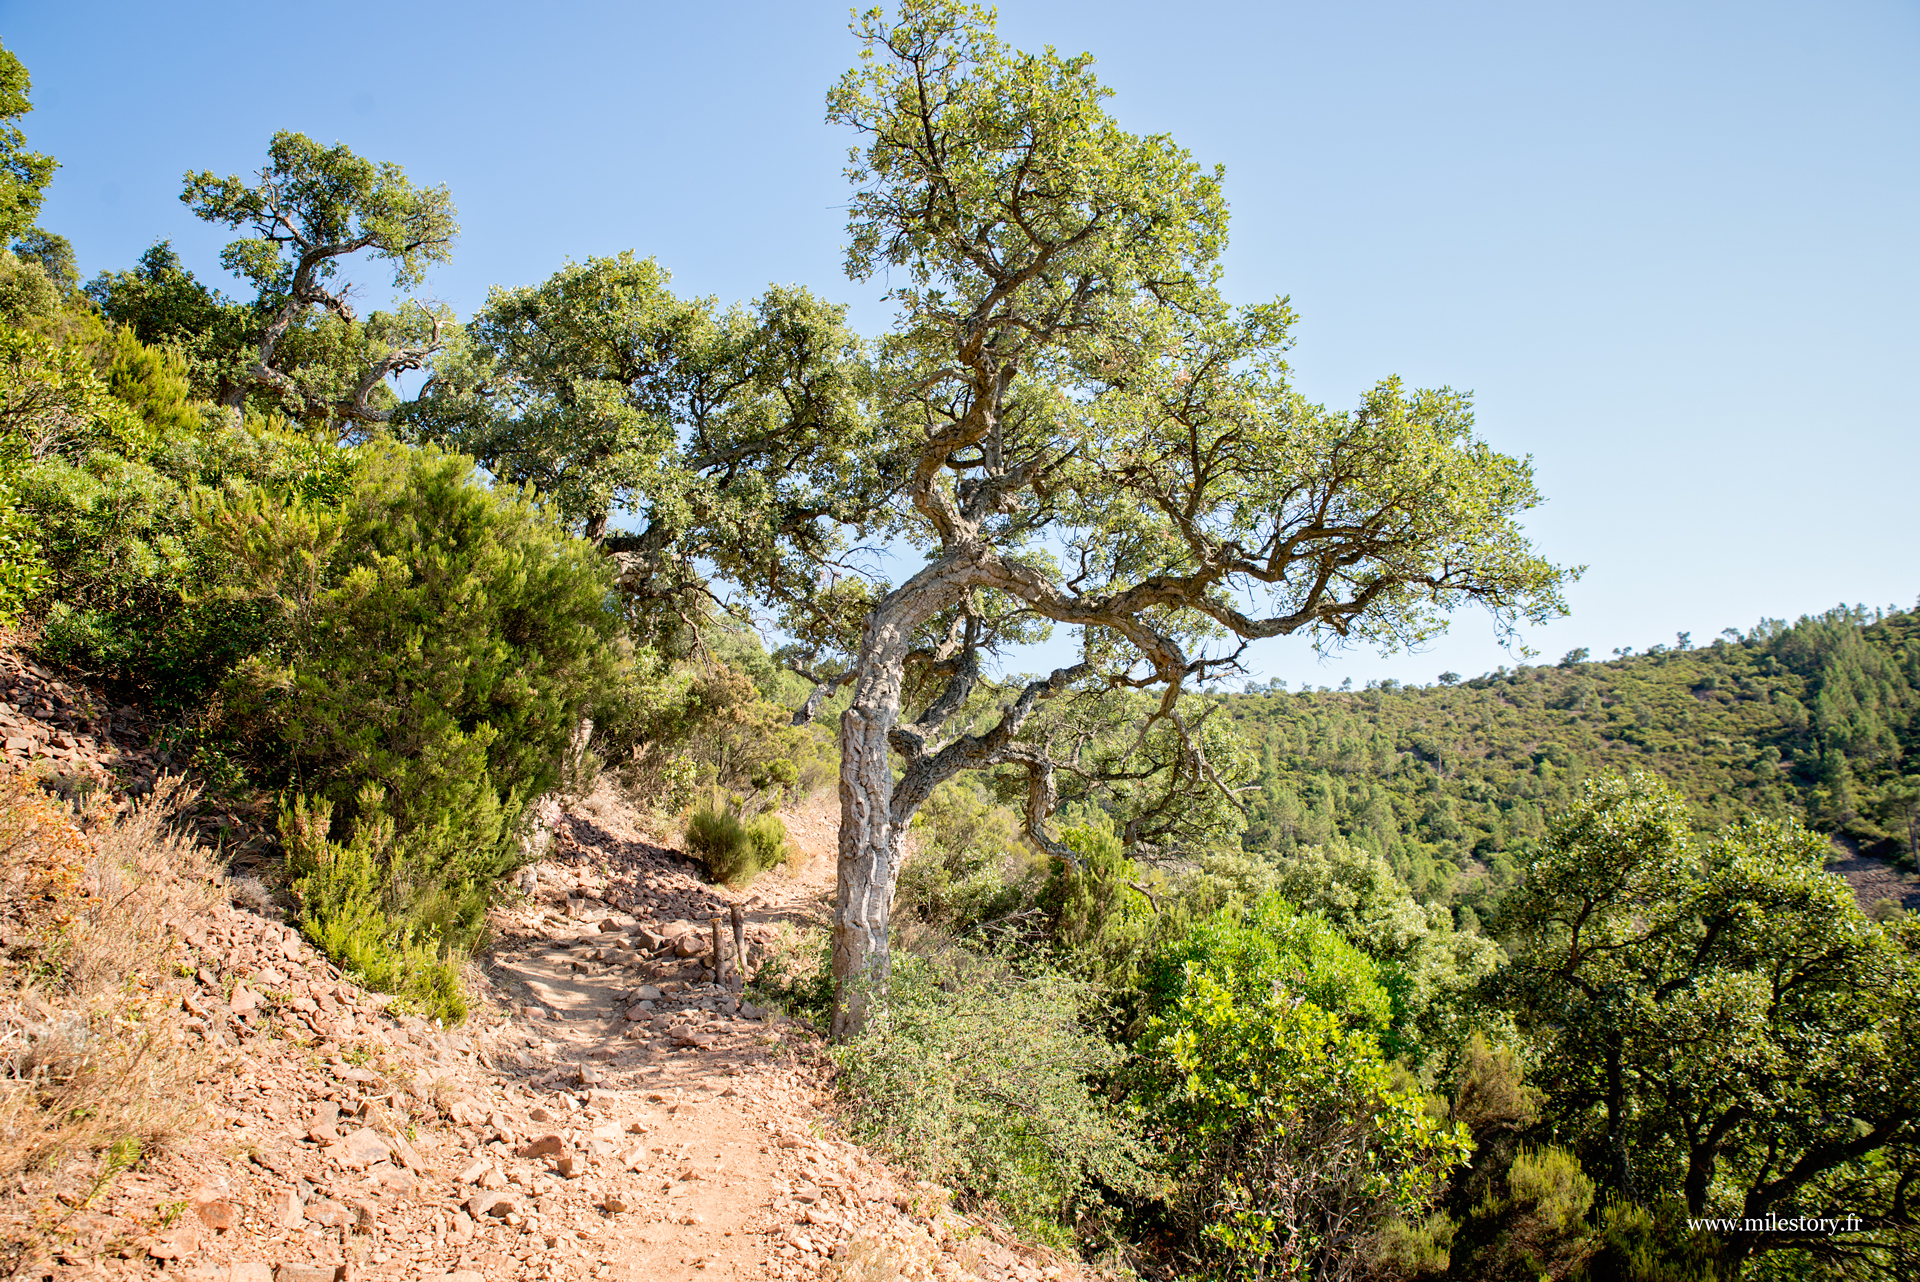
column 1454, row 783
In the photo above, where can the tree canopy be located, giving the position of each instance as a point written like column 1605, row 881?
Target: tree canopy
column 24, row 174
column 1717, row 1022
column 738, row 438
column 309, row 209
column 1093, row 437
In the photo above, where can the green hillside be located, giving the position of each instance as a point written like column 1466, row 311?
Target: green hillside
column 1454, row 783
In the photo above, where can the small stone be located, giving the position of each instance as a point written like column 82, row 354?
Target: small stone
column 498, row 1205
column 587, row 1075
column 177, row 1245
column 244, row 1000
column 473, row 1173
column 217, row 1214
column 362, row 1148
column 286, row 1210
column 327, row 1214
column 310, row 1273
column 608, row 925
column 409, row 1157
column 567, row 1166
column 613, row 1205
column 545, row 1146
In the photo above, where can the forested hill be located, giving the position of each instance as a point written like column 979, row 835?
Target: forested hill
column 1455, row 782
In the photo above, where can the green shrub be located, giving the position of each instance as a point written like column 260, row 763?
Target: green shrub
column 440, row 640
column 23, row 572
column 705, row 725
column 968, row 865
column 355, row 904
column 1099, row 920
column 734, row 850
column 435, row 647
column 978, row 1076
column 1652, row 1244
column 141, row 589
column 1271, row 1100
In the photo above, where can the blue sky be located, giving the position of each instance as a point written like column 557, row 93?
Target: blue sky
column 1669, row 246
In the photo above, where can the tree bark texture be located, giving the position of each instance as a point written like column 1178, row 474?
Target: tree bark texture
column 869, row 856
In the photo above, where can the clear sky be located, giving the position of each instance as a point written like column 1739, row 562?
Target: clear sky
column 1670, row 246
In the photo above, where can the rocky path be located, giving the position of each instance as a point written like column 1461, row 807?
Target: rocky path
column 608, row 1111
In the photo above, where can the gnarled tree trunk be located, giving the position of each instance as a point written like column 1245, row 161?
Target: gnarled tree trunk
column 870, row 833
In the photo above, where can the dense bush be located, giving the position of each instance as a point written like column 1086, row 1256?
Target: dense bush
column 1099, row 917
column 734, row 848
column 979, row 1076
column 1272, row 1104
column 678, row 728
column 966, row 865
column 438, row 644
column 371, row 910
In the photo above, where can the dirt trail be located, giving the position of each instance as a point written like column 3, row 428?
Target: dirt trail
column 607, row 1111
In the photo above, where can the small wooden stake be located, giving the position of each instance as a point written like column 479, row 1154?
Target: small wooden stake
column 739, row 948
column 719, row 957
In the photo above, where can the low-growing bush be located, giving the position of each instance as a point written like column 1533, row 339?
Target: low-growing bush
column 372, row 909
column 734, row 849
column 984, row 1078
column 1270, row 1099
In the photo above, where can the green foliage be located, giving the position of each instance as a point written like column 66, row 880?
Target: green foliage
column 705, row 725
column 1099, row 919
column 166, row 307
column 362, row 903
column 439, row 640
column 729, row 433
column 968, row 867
column 1715, row 1022
column 52, row 405
column 978, row 1077
column 1430, row 967
column 1454, row 786
column 1272, row 1102
column 1268, row 946
column 23, row 572
column 139, row 587
column 24, row 174
column 309, row 197
column 1649, row 1244
column 153, row 383
column 1532, row 1225
column 30, row 299
column 52, row 254
column 734, row 849
column 297, row 348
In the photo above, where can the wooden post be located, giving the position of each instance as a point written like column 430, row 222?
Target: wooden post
column 719, row 957
column 739, row 948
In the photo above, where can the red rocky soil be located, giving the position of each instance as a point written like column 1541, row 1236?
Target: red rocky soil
column 608, row 1110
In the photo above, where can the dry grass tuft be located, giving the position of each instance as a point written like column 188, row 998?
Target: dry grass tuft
column 95, row 1053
